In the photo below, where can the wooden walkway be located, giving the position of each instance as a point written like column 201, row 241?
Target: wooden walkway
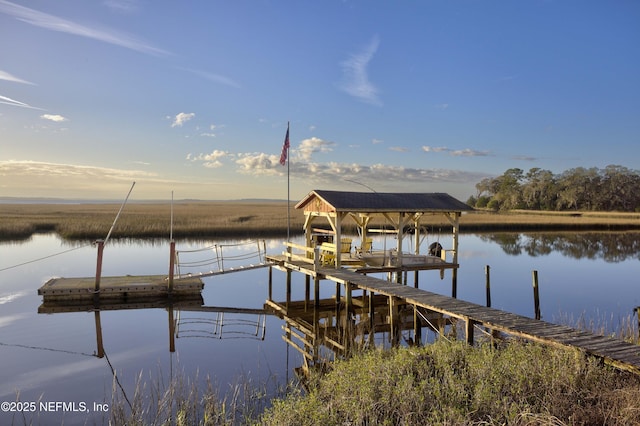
column 622, row 355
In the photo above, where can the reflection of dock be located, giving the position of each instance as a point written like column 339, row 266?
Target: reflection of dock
column 622, row 355
column 127, row 287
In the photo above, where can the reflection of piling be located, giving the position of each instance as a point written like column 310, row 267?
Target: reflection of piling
column 100, row 244
column 99, row 344
column 536, row 295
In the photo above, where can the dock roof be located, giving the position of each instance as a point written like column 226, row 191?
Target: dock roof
column 379, row 202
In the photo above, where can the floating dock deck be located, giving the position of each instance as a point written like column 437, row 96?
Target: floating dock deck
column 129, row 287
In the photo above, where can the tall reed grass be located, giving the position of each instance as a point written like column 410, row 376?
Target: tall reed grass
column 210, row 219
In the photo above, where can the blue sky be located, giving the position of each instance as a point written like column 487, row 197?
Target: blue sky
column 425, row 96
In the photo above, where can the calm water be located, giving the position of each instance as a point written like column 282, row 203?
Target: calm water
column 50, row 357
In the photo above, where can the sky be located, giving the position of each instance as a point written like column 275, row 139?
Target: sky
column 192, row 99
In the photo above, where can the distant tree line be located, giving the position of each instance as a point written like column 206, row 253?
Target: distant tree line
column 614, row 188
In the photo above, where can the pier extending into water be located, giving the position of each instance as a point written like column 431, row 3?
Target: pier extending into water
column 442, row 310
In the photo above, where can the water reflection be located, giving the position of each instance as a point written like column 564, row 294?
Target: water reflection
column 610, row 246
column 327, row 329
column 186, row 319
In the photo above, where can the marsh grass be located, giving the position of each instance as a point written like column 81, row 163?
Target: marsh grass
column 211, row 219
column 454, row 384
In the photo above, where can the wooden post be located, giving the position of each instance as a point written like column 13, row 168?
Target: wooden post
column 172, row 264
column 536, row 295
column 487, row 277
column 288, row 288
column 394, row 325
column 469, row 325
column 307, row 290
column 270, row 282
column 372, row 321
column 100, row 244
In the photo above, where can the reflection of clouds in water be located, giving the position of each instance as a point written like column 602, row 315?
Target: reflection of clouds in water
column 42, row 377
column 473, row 254
column 10, row 297
column 5, row 321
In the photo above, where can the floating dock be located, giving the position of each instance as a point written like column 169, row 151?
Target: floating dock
column 129, row 287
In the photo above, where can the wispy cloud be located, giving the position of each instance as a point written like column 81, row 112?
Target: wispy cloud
column 54, row 23
column 54, row 117
column 216, row 78
column 182, row 118
column 356, row 77
column 8, row 101
column 122, row 6
column 8, row 77
column 399, row 148
column 524, row 158
column 467, row 152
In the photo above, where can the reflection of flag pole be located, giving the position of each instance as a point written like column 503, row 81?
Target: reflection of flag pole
column 284, row 159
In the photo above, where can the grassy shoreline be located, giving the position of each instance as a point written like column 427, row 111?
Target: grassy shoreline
column 227, row 219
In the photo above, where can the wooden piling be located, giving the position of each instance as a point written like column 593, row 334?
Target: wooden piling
column 487, row 278
column 536, row 295
column 100, row 244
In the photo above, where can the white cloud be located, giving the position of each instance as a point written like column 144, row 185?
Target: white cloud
column 399, row 148
column 312, row 145
column 356, row 78
column 376, row 141
column 259, row 164
column 211, row 160
column 442, row 106
column 182, row 118
column 435, row 149
column 54, row 23
column 54, row 117
column 8, row 77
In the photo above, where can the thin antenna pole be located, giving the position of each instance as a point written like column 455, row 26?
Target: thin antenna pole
column 171, row 226
column 118, row 215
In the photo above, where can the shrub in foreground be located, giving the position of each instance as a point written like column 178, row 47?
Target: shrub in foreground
column 454, row 384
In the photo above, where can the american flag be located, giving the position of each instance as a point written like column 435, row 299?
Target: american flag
column 285, row 148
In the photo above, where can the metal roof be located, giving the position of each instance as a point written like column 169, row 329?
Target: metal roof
column 372, row 202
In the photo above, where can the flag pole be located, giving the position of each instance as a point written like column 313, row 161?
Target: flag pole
column 288, row 190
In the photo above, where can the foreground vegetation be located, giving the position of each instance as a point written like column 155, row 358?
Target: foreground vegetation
column 213, row 219
column 451, row 383
column 445, row 383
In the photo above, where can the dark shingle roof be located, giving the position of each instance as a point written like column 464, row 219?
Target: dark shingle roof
column 387, row 201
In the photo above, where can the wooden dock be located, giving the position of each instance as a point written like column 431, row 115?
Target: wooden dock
column 622, row 355
column 130, row 287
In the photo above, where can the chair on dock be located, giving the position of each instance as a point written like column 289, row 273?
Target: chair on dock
column 345, row 245
column 365, row 247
